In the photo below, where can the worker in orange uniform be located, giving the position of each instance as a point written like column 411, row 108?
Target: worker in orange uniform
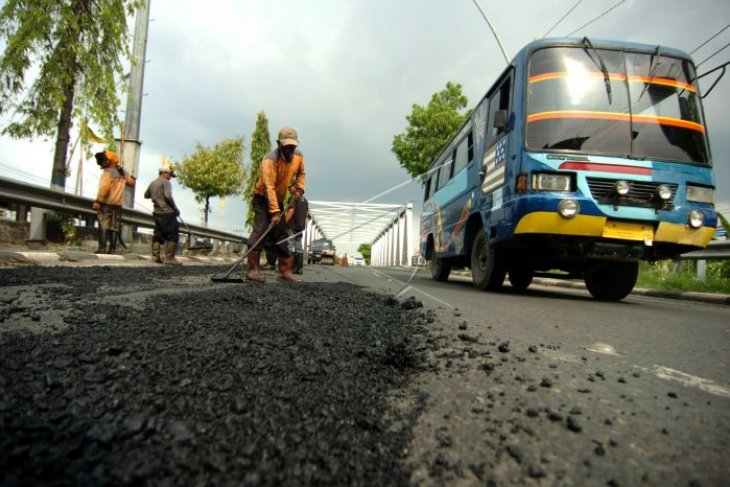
column 278, row 168
column 108, row 203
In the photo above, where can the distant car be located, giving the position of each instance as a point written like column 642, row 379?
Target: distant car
column 322, row 251
column 358, row 261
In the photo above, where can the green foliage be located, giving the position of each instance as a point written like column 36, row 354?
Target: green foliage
column 365, row 250
column 67, row 222
column 662, row 275
column 429, row 128
column 214, row 171
column 77, row 47
column 260, row 146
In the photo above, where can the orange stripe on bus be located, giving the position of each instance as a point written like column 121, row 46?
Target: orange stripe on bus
column 622, row 117
column 619, row 77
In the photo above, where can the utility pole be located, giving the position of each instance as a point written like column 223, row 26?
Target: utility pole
column 129, row 143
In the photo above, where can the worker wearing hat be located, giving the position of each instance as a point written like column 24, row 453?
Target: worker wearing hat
column 108, row 202
column 165, row 213
column 278, row 168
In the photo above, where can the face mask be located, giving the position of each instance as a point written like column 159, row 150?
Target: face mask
column 287, row 152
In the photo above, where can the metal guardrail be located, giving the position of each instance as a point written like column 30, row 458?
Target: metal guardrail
column 717, row 249
column 52, row 199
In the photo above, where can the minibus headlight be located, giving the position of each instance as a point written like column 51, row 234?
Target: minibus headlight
column 700, row 194
column 568, row 208
column 550, row 182
column 622, row 188
column 664, row 192
column 696, row 218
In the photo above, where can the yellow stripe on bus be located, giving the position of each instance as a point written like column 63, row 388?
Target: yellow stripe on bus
column 618, row 77
column 551, row 222
column 682, row 234
column 622, row 117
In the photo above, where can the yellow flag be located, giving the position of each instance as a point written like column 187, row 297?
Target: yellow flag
column 89, row 134
column 223, row 203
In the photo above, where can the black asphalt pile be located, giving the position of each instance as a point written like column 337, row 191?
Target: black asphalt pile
column 227, row 385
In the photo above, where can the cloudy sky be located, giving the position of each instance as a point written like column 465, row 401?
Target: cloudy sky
column 345, row 74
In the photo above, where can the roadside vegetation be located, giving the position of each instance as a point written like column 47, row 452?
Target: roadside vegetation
column 663, row 275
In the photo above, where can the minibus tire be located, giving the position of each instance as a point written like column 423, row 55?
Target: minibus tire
column 612, row 281
column 520, row 277
column 487, row 272
column 440, row 269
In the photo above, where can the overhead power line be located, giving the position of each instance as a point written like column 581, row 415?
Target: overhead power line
column 713, row 54
column 601, row 15
column 562, row 18
column 708, row 40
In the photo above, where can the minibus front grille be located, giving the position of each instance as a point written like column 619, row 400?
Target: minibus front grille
column 641, row 193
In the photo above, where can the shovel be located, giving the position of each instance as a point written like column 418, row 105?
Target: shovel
column 197, row 245
column 225, row 277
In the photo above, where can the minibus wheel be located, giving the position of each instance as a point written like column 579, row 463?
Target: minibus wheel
column 440, row 269
column 611, row 281
column 487, row 272
column 520, row 277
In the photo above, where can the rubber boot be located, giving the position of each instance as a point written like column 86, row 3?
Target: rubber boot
column 253, row 271
column 298, row 263
column 113, row 237
column 102, row 242
column 170, row 248
column 285, row 267
column 156, row 252
column 270, row 260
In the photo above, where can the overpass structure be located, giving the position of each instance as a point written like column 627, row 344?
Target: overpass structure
column 387, row 227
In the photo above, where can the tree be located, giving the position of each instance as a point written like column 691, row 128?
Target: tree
column 77, row 46
column 214, row 172
column 429, row 128
column 365, row 250
column 260, row 146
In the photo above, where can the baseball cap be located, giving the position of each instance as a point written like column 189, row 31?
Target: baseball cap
column 167, row 169
column 288, row 136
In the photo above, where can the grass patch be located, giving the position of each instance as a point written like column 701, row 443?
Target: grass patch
column 662, row 275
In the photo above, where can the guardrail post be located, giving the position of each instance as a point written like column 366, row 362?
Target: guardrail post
column 701, row 269
column 37, row 225
column 21, row 214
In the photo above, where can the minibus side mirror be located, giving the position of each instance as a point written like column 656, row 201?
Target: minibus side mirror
column 500, row 120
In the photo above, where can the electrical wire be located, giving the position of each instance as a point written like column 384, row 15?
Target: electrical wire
column 601, row 15
column 708, row 40
column 713, row 55
column 562, row 18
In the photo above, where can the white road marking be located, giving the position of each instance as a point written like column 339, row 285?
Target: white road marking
column 408, row 287
column 691, row 381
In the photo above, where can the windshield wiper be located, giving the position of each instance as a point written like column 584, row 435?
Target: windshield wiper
column 652, row 68
column 601, row 65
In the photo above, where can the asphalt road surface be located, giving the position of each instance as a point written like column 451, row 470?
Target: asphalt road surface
column 151, row 375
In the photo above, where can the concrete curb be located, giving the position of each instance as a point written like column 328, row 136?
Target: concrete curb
column 78, row 256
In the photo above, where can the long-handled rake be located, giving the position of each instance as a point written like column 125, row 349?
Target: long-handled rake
column 225, row 277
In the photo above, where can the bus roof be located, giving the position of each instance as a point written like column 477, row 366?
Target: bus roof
column 599, row 43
